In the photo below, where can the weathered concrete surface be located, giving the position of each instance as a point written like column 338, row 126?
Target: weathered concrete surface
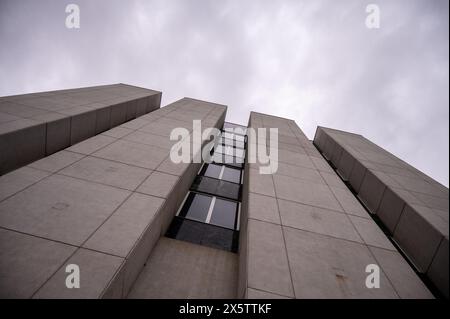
column 36, row 125
column 102, row 204
column 413, row 207
column 178, row 269
column 303, row 233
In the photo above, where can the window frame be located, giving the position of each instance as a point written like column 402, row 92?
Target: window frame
column 204, row 168
column 237, row 212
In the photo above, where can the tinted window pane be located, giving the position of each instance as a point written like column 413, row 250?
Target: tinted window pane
column 196, row 207
column 234, row 136
column 224, row 213
column 203, row 234
column 239, row 144
column 231, row 175
column 228, row 125
column 238, row 152
column 216, row 187
column 231, row 142
column 227, row 141
column 225, row 159
column 230, row 151
column 213, row 170
column 236, row 131
column 220, row 149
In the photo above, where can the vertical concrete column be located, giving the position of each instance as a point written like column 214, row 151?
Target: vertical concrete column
column 304, row 234
column 413, row 207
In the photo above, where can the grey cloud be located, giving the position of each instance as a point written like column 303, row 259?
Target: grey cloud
column 313, row 61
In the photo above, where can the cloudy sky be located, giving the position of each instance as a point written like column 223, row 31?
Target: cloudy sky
column 313, row 61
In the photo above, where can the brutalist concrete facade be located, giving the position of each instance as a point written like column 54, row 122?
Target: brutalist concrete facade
column 36, row 125
column 106, row 203
column 304, row 234
column 413, row 207
column 101, row 204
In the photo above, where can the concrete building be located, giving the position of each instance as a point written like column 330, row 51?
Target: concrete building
column 412, row 207
column 36, row 125
column 138, row 225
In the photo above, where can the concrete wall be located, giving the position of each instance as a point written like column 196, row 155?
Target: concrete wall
column 413, row 207
column 101, row 204
column 177, row 269
column 36, row 125
column 304, row 234
column 181, row 270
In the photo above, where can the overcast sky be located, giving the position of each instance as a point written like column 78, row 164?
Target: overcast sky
column 313, row 61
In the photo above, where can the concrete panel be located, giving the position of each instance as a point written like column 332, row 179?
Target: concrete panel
column 27, row 262
column 117, row 132
column 158, row 184
column 58, row 135
column 18, row 180
column 324, row 267
column 357, row 175
column 438, row 271
column 131, row 110
column 195, row 271
column 82, row 126
column 123, row 229
column 259, row 294
column 336, row 155
column 263, row 208
column 333, row 180
column 61, row 208
column 402, row 277
column 19, row 110
column 328, row 146
column 96, row 272
column 118, row 114
column 21, row 147
column 141, row 251
column 91, row 145
column 102, row 119
column 131, row 153
column 5, row 117
column 390, row 209
column 57, row 161
column 135, row 124
column 169, row 167
column 371, row 191
column 299, row 172
column 317, row 220
column 141, row 106
column 164, row 127
column 107, row 172
column 268, row 267
column 433, row 201
column 417, row 238
column 416, row 184
column 150, row 139
column 322, row 165
column 305, row 192
column 294, row 158
column 345, row 165
column 371, row 233
column 261, row 183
